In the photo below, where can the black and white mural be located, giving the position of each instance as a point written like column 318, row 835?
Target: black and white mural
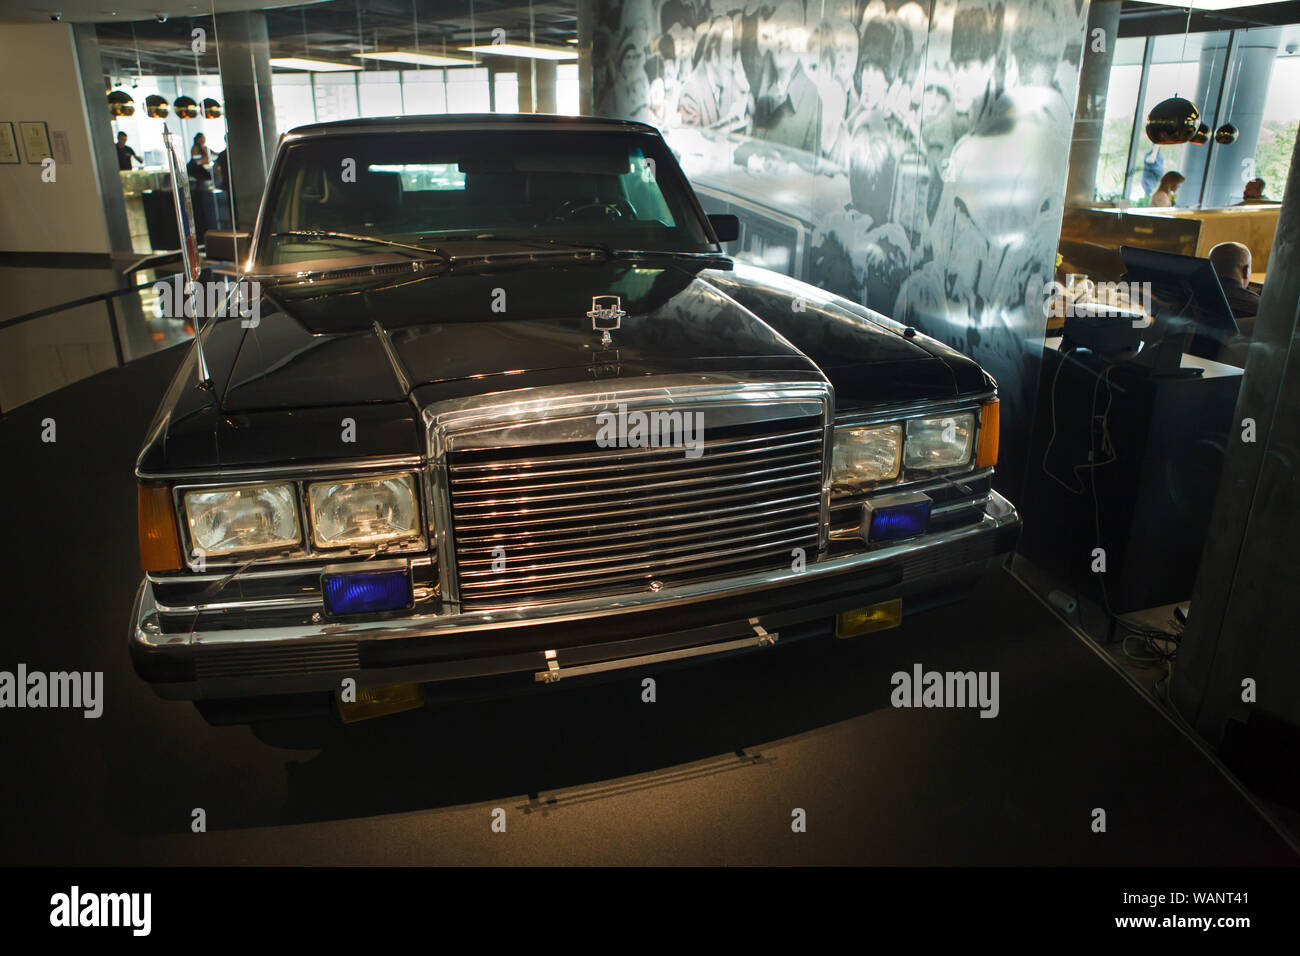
column 909, row 156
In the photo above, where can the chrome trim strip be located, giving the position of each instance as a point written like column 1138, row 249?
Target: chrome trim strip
column 700, row 478
column 999, row 513
column 654, row 458
column 960, row 506
column 565, row 536
column 444, row 547
column 615, row 568
column 259, row 473
column 912, row 409
column 297, row 570
column 579, row 547
column 403, row 378
column 705, row 493
column 558, row 672
column 953, row 480
column 257, row 604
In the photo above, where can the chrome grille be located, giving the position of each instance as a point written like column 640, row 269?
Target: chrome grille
column 574, row 521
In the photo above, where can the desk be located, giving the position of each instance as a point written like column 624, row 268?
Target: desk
column 1091, row 236
column 1153, row 495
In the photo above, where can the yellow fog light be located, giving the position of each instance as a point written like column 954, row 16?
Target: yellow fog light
column 864, row 620
column 379, row 701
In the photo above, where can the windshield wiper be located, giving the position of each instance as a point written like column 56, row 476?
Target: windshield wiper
column 532, row 240
column 610, row 252
column 424, row 251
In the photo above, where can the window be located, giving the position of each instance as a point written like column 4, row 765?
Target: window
column 1121, row 109
column 566, row 90
column 467, row 91
column 568, row 187
column 418, row 177
column 643, row 192
column 294, row 104
column 1175, row 71
column 335, row 96
column 1281, row 120
column 506, row 90
column 380, row 93
column 424, row 91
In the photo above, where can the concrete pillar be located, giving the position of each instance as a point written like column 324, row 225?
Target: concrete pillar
column 250, row 111
column 1241, row 627
column 620, row 44
column 586, row 29
column 101, row 138
column 524, row 73
column 1248, row 79
column 1090, row 111
column 1208, row 94
column 545, row 73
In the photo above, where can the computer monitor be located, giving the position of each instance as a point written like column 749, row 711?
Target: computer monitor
column 1187, row 297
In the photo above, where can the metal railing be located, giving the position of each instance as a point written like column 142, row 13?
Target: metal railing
column 108, row 298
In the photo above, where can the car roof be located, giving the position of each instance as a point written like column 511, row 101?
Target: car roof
column 469, row 121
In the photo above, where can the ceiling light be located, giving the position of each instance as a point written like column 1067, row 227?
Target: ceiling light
column 519, row 49
column 424, row 59
column 316, row 66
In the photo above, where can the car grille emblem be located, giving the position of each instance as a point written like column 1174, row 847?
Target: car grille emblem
column 606, row 315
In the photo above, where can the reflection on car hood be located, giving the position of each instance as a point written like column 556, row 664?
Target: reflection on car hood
column 322, row 344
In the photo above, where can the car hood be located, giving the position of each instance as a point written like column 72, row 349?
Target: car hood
column 315, row 345
column 451, row 335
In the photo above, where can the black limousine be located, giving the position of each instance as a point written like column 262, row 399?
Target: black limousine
column 503, row 408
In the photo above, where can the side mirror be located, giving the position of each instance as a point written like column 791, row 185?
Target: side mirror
column 225, row 245
column 726, row 227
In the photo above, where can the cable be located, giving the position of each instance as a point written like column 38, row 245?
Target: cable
column 1052, row 438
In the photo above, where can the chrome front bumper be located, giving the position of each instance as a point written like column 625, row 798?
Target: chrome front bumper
column 430, row 647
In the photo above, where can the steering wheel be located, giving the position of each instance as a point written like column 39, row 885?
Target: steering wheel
column 585, row 210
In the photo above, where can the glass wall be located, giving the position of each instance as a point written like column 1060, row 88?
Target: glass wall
column 1245, row 78
column 1281, row 120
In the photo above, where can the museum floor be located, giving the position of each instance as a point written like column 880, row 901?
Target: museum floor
column 710, row 773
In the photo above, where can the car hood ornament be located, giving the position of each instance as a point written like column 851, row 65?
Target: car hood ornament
column 606, row 315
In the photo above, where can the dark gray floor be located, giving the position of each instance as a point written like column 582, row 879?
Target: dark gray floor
column 710, row 773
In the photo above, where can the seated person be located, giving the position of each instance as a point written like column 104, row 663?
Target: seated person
column 1253, row 194
column 1166, row 191
column 1232, row 261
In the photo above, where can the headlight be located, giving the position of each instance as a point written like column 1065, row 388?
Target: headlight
column 943, row 442
column 237, row 520
column 865, row 456
column 363, row 512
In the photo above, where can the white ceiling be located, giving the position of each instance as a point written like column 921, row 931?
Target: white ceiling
column 108, row 11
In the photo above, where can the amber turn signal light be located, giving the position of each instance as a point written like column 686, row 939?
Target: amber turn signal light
column 160, row 548
column 986, row 451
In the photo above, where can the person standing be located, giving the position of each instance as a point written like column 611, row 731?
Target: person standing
column 199, row 151
column 1153, row 168
column 125, row 154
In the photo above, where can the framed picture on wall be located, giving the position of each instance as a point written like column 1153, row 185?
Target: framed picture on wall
column 8, row 145
column 36, row 141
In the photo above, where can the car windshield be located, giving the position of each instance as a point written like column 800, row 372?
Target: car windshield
column 551, row 187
